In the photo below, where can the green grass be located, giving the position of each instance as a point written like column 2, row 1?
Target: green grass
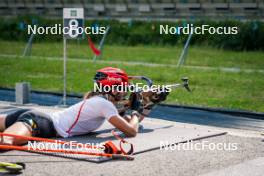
column 212, row 88
column 197, row 56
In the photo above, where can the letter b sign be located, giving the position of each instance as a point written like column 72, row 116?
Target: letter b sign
column 73, row 23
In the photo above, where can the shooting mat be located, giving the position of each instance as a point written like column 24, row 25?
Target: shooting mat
column 151, row 134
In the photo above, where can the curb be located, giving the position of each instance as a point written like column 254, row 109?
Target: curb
column 234, row 112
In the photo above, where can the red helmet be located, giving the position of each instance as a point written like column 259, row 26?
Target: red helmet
column 109, row 76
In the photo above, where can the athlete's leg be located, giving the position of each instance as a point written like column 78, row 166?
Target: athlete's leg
column 18, row 128
column 12, row 126
column 30, row 123
column 6, row 120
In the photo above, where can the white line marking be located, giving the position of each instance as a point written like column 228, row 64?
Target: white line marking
column 223, row 69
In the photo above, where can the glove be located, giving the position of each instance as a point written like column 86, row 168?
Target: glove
column 136, row 102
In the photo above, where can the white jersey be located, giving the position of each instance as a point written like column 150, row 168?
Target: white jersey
column 83, row 117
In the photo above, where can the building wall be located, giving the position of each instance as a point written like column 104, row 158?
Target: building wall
column 139, row 9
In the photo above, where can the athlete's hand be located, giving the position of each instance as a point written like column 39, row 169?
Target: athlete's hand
column 136, row 103
column 137, row 115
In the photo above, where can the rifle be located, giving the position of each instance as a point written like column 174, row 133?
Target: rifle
column 150, row 97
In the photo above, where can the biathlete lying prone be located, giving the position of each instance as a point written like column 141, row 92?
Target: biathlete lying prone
column 81, row 118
